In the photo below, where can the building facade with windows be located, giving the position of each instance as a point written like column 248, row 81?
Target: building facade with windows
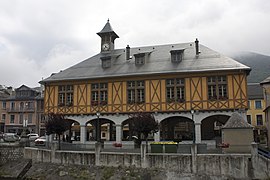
column 256, row 106
column 191, row 89
column 4, row 93
column 266, row 91
column 25, row 105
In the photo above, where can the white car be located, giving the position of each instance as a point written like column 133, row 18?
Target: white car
column 41, row 141
column 32, row 137
column 11, row 137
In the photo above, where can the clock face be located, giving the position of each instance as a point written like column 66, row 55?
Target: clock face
column 105, row 47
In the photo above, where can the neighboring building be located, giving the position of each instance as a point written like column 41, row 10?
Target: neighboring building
column 191, row 89
column 266, row 89
column 25, row 105
column 4, row 93
column 255, row 113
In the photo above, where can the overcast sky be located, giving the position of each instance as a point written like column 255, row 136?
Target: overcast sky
column 40, row 37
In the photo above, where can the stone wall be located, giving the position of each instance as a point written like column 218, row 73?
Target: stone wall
column 260, row 164
column 241, row 166
column 10, row 153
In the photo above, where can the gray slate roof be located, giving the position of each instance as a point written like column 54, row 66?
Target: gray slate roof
column 266, row 81
column 107, row 29
column 255, row 91
column 158, row 61
column 236, row 121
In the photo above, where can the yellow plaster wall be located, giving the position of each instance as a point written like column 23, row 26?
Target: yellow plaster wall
column 155, row 89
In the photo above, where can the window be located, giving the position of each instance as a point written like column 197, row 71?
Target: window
column 12, row 105
column 4, row 105
column 21, row 119
column 258, row 104
column 139, row 58
column 259, row 120
column 4, row 117
column 176, row 55
column 217, row 88
column 30, row 118
column 249, row 119
column 99, row 94
column 42, row 117
column 12, row 119
column 21, row 105
column 29, row 105
column 65, row 95
column 175, row 90
column 135, row 92
column 106, row 62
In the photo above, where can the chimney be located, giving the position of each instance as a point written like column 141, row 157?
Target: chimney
column 197, row 47
column 127, row 52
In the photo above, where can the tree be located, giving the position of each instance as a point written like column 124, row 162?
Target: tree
column 143, row 123
column 56, row 124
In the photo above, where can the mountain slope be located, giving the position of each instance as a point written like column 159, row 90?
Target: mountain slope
column 260, row 65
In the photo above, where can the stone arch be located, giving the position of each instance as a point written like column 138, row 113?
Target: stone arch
column 105, row 127
column 177, row 128
column 73, row 132
column 127, row 132
column 211, row 126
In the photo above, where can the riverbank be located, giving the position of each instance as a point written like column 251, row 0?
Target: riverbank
column 51, row 171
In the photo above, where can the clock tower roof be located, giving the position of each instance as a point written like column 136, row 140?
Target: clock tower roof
column 107, row 29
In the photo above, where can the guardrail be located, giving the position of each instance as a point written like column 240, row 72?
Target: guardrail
column 264, row 152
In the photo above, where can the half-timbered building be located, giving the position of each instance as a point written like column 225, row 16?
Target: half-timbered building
column 192, row 90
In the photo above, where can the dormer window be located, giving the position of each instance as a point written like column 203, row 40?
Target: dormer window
column 106, row 62
column 177, row 55
column 139, row 58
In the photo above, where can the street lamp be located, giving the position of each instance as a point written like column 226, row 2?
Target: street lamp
column 192, row 115
column 98, row 127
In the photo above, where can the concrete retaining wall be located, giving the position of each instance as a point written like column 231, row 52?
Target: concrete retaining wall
column 227, row 165
column 240, row 166
column 10, row 153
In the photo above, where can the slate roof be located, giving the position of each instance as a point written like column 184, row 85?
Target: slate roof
column 14, row 96
column 255, row 91
column 236, row 121
column 266, row 81
column 108, row 29
column 158, row 61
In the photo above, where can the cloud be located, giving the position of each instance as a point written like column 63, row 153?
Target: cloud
column 38, row 38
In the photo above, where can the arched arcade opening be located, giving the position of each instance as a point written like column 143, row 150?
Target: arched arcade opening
column 177, row 128
column 100, row 128
column 211, row 127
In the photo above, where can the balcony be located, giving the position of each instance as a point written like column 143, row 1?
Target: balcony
column 20, row 110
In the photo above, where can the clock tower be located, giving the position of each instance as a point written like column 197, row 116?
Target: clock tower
column 107, row 38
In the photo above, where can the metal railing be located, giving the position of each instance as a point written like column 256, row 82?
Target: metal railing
column 20, row 109
column 264, row 152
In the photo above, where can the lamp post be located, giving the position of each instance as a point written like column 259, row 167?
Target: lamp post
column 24, row 138
column 25, row 124
column 98, row 127
column 192, row 116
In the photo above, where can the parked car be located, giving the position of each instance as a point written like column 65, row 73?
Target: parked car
column 75, row 138
column 41, row 141
column 32, row 136
column 11, row 137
